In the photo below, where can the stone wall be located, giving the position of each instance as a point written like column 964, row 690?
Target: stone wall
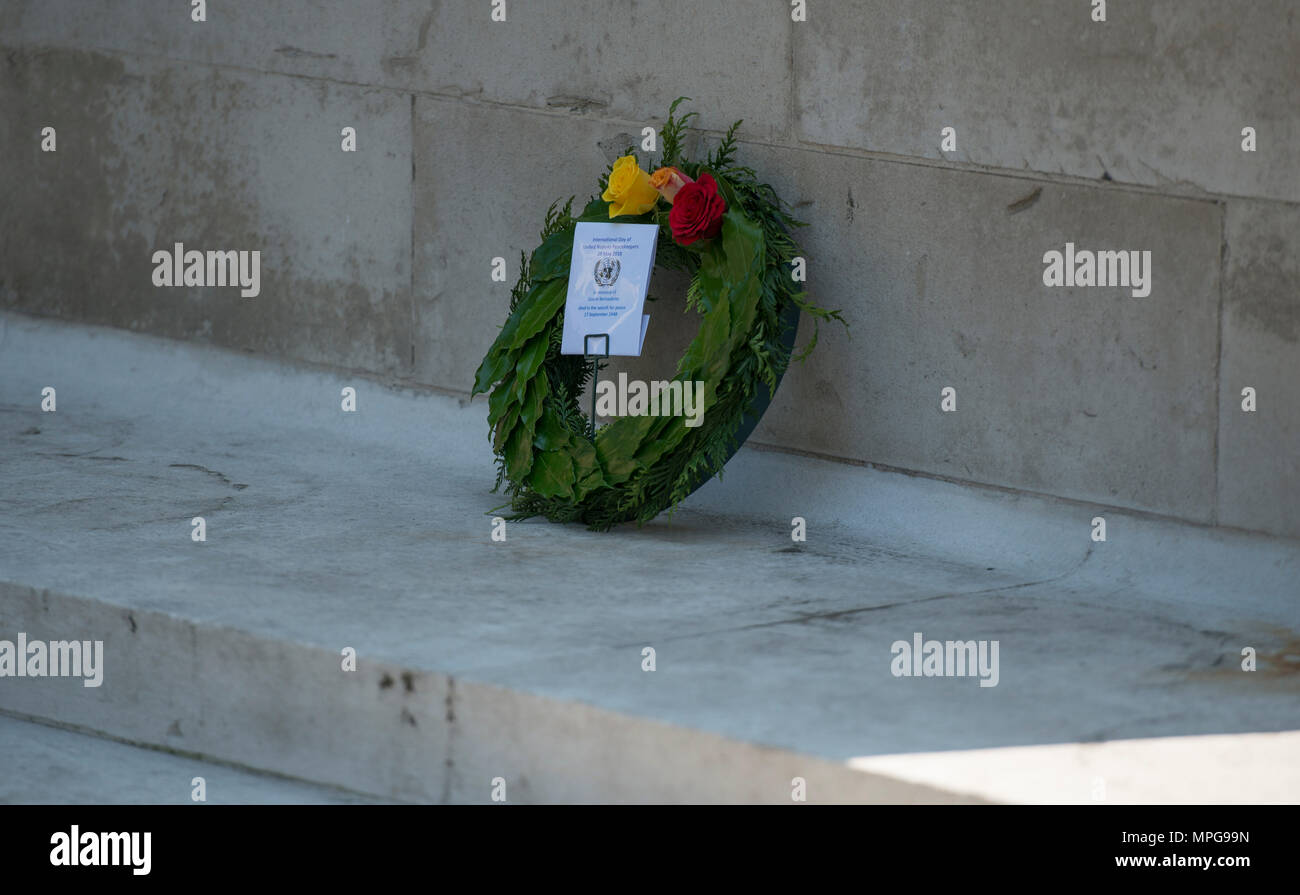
column 1123, row 134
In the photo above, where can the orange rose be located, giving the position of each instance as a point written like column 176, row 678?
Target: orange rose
column 668, row 181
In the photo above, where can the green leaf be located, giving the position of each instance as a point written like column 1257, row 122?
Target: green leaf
column 551, row 258
column 552, row 475
column 707, row 356
column 531, row 408
column 664, row 439
column 617, row 443
column 499, row 403
column 545, row 303
column 505, row 426
column 519, row 454
column 586, row 466
column 597, row 210
column 523, row 418
column 533, row 312
column 550, row 434
column 530, row 360
column 495, row 365
column 742, row 249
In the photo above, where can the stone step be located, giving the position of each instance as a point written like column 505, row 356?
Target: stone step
column 522, row 662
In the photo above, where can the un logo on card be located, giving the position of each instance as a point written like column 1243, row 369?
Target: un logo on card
column 607, row 271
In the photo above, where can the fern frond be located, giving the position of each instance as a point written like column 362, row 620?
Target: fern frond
column 674, row 130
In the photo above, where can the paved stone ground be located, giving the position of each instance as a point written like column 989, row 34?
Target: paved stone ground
column 371, row 530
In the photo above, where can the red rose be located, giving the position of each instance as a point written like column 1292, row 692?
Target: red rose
column 697, row 211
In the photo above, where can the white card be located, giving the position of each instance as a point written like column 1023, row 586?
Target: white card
column 609, row 273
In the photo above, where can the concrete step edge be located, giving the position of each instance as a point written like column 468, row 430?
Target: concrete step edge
column 408, row 734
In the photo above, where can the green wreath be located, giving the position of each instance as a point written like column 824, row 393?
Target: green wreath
column 742, row 286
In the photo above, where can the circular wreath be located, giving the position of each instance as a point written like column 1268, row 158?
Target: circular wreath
column 732, row 235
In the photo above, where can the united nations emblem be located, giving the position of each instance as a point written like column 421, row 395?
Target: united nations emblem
column 607, row 271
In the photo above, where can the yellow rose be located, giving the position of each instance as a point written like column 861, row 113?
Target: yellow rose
column 629, row 190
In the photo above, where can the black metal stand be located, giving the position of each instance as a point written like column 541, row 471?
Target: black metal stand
column 595, row 358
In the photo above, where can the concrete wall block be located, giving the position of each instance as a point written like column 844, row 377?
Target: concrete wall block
column 1158, row 94
column 1087, row 393
column 374, row 42
column 1259, row 452
column 623, row 59
column 151, row 153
